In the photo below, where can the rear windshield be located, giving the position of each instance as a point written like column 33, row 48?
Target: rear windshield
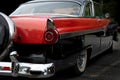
column 51, row 8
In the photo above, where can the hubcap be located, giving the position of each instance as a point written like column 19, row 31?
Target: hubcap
column 82, row 60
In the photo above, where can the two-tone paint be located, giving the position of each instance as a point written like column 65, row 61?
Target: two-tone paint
column 30, row 30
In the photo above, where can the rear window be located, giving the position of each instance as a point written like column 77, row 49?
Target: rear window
column 53, row 8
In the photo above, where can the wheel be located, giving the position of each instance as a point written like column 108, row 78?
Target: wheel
column 81, row 62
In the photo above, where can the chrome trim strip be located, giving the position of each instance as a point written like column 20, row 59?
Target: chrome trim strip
column 78, row 33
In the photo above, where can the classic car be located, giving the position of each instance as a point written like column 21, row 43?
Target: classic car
column 46, row 36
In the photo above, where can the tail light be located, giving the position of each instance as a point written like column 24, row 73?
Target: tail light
column 51, row 34
column 6, row 68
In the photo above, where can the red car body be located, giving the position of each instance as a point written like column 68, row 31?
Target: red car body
column 31, row 29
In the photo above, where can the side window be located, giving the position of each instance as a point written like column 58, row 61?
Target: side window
column 98, row 10
column 87, row 10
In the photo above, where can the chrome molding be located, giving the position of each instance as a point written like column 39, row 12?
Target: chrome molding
column 78, row 33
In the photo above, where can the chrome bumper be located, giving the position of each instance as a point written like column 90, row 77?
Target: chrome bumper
column 16, row 68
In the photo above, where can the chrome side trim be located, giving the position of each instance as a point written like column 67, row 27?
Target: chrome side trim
column 78, row 33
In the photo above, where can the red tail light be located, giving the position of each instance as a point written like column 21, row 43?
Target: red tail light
column 6, row 68
column 51, row 36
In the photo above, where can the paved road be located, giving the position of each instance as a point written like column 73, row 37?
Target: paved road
column 103, row 67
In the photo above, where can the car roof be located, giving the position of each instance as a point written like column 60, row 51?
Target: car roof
column 78, row 1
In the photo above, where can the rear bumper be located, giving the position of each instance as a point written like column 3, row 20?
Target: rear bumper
column 31, row 70
column 27, row 70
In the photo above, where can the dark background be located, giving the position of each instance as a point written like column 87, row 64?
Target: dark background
column 8, row 6
column 111, row 6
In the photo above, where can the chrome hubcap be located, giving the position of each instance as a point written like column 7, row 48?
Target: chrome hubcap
column 82, row 60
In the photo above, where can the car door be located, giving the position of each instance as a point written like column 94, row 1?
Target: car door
column 6, row 34
column 92, row 39
column 106, row 41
